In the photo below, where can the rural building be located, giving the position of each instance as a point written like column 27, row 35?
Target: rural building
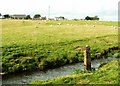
column 36, row 18
column 51, row 19
column 40, row 18
column 18, row 16
column 43, row 18
column 59, row 18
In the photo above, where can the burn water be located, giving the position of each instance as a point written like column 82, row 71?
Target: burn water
column 27, row 77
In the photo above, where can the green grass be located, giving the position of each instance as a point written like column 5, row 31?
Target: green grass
column 34, row 44
column 107, row 74
column 41, row 32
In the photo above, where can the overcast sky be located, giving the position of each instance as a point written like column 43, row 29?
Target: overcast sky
column 105, row 9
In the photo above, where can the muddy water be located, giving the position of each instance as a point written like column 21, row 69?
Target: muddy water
column 27, row 77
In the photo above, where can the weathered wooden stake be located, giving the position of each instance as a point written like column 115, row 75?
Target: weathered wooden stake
column 87, row 58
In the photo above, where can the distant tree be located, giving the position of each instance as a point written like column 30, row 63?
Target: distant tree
column 95, row 18
column 91, row 18
column 87, row 18
column 37, row 16
column 62, row 17
column 28, row 17
column 6, row 16
column 75, row 19
column 0, row 14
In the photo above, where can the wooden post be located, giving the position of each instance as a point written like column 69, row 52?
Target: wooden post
column 87, row 58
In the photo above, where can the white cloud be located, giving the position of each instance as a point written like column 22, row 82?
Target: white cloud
column 60, row 7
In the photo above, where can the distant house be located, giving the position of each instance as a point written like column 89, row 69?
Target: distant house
column 40, row 18
column 51, row 19
column 59, row 18
column 36, row 18
column 56, row 18
column 43, row 18
column 18, row 16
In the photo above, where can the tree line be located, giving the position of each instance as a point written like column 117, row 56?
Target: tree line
column 91, row 18
column 27, row 16
column 38, row 16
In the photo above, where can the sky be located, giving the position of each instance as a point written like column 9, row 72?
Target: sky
column 104, row 9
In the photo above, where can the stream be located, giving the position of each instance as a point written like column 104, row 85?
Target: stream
column 27, row 77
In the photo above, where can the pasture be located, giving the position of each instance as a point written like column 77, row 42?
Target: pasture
column 35, row 44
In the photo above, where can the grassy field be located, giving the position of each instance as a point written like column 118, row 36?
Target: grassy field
column 34, row 44
column 106, row 75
